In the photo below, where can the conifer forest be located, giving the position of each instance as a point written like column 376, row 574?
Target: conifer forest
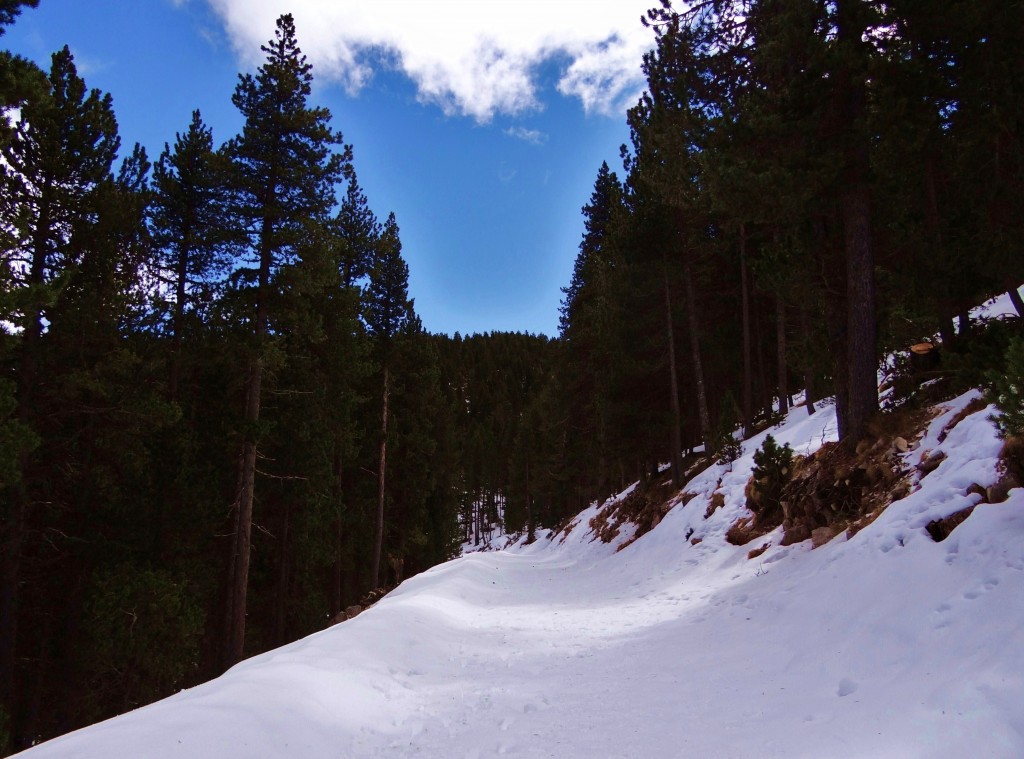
column 222, row 421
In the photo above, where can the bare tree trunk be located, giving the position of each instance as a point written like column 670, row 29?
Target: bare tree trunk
column 378, row 539
column 675, row 437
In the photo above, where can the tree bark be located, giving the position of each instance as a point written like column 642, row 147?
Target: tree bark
column 780, row 344
column 283, row 578
column 698, row 364
column 748, row 380
column 809, row 395
column 675, row 436
column 242, row 545
column 339, row 541
column 531, row 534
column 855, row 207
column 1015, row 298
column 178, row 320
column 378, row 538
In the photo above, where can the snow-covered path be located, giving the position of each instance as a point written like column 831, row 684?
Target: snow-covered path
column 885, row 645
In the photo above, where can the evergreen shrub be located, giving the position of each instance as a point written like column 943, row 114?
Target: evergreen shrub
column 773, row 465
column 1006, row 390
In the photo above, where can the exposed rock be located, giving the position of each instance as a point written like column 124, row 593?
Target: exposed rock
column 977, row 489
column 900, row 445
column 901, row 491
column 931, row 463
column 353, row 611
column 1001, row 490
column 798, row 534
column 742, row 532
column 821, row 535
column 695, row 541
column 645, row 507
column 754, row 553
column 940, row 529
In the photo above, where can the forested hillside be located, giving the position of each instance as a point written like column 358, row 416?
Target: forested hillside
column 222, row 421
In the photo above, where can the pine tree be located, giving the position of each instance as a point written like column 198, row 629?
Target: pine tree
column 589, row 311
column 53, row 166
column 388, row 312
column 286, row 169
column 189, row 228
column 358, row 227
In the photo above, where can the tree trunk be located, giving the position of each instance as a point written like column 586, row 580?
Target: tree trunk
column 964, row 320
column 242, row 547
column 531, row 534
column 242, row 543
column 855, row 205
column 947, row 332
column 378, row 538
column 805, row 334
column 748, row 380
column 780, row 344
column 178, row 322
column 698, row 365
column 1016, row 300
column 283, row 578
column 836, row 325
column 675, row 436
column 339, row 541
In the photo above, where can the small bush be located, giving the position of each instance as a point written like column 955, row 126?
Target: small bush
column 981, row 356
column 773, row 465
column 727, row 447
column 1007, row 391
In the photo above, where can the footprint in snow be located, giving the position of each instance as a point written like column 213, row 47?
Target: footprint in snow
column 846, row 687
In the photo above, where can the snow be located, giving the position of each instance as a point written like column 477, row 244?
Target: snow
column 884, row 645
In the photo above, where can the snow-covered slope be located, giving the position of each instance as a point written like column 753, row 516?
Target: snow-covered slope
column 884, row 645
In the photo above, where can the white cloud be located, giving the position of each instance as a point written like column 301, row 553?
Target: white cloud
column 476, row 59
column 532, row 136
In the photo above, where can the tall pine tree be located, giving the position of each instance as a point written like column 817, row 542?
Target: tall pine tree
column 286, row 169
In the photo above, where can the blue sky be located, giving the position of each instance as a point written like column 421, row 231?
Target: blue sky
column 486, row 166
